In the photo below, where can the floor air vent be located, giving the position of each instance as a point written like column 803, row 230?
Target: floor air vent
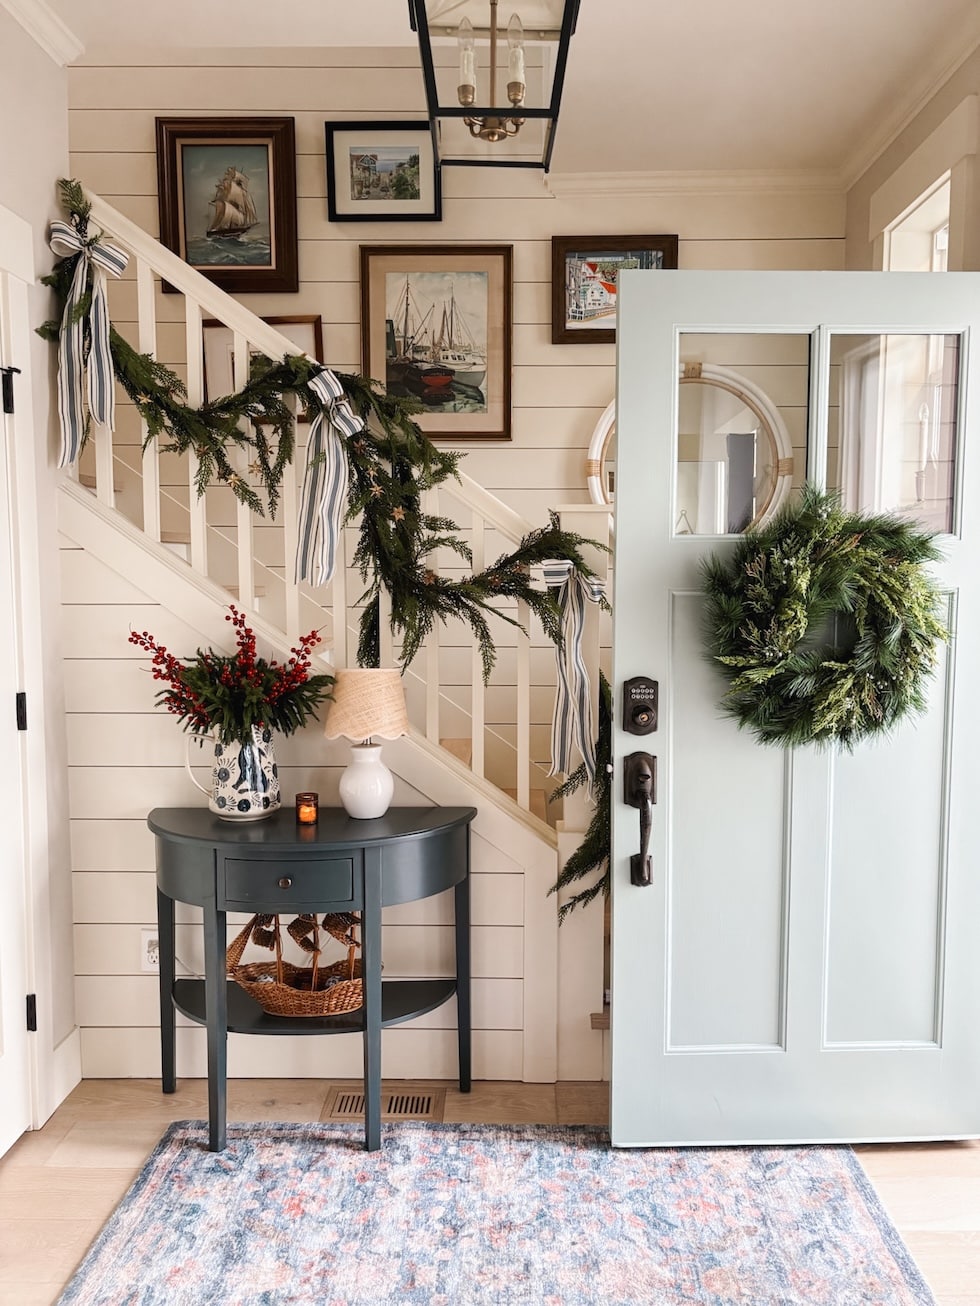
column 348, row 1104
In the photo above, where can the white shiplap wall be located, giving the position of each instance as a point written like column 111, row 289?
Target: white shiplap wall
column 124, row 757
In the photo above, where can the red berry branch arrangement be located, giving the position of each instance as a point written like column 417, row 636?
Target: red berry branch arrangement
column 226, row 695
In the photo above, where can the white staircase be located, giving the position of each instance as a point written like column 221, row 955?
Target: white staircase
column 137, row 512
column 217, row 549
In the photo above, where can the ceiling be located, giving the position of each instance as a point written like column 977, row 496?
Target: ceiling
column 652, row 85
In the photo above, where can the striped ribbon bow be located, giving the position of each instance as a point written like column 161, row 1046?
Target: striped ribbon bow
column 324, row 497
column 101, row 258
column 571, row 725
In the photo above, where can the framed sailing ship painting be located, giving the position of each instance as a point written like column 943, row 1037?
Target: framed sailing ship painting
column 227, row 191
column 382, row 172
column 436, row 327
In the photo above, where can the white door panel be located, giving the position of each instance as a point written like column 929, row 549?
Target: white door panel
column 803, row 966
column 726, row 912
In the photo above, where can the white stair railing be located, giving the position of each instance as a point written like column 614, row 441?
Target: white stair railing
column 253, row 557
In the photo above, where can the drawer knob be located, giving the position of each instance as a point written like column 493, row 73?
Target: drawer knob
column 285, row 882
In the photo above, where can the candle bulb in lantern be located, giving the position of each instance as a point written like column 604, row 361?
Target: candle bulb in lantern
column 515, row 58
column 467, row 63
column 306, row 808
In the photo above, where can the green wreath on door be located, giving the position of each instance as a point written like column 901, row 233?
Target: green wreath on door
column 825, row 624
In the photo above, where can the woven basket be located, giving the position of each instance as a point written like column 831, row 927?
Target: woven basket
column 282, row 989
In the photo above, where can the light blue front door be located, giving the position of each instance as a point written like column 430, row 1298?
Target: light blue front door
column 805, row 964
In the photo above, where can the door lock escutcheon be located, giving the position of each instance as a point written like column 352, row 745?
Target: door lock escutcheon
column 641, row 705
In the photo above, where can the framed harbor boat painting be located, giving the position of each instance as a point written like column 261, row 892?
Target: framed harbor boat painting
column 583, row 281
column 382, row 172
column 227, row 191
column 436, row 326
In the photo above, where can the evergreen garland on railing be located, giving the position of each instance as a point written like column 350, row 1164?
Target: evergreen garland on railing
column 391, row 465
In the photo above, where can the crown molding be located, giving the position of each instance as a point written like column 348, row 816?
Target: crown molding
column 955, row 53
column 693, row 183
column 40, row 21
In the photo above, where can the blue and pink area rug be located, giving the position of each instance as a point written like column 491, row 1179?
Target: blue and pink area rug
column 492, row 1215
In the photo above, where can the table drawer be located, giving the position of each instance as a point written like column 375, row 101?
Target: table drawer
column 284, row 884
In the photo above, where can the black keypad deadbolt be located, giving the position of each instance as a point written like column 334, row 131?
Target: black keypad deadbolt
column 640, row 705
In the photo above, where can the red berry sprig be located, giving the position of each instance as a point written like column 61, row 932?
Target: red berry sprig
column 231, row 694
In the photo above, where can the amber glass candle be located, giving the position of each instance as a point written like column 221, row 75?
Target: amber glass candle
column 306, row 808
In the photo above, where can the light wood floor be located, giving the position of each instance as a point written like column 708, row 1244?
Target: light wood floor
column 58, row 1185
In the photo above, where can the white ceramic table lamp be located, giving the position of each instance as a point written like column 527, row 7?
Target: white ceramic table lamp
column 366, row 702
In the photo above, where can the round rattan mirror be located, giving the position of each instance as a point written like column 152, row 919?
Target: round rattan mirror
column 774, row 462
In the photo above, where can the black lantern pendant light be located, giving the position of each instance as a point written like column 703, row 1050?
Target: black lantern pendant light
column 493, row 81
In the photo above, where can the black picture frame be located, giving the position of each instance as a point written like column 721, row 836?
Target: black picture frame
column 371, row 176
column 229, row 156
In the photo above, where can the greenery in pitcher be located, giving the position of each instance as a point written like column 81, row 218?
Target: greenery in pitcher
column 214, row 693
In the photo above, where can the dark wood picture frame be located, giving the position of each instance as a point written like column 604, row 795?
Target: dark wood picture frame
column 219, row 348
column 198, row 195
column 582, row 305
column 433, row 318
column 365, row 193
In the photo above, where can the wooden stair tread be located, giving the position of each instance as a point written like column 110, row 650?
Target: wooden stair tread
column 460, row 748
column 88, row 480
column 537, row 804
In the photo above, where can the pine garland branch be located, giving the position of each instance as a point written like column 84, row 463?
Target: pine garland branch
column 592, row 855
column 421, row 598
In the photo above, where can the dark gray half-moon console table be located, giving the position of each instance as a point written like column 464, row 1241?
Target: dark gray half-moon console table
column 276, row 865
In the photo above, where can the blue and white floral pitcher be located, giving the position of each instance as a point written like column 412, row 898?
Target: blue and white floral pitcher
column 245, row 778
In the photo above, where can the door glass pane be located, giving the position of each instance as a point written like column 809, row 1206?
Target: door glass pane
column 741, row 437
column 892, row 431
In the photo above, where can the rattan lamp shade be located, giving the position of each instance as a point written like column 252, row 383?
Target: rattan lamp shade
column 367, row 702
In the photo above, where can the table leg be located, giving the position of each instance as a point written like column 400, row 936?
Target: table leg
column 166, row 945
column 371, row 941
column 216, row 1011
column 463, row 1001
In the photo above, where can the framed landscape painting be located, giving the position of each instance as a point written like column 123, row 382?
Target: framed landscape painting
column 583, row 281
column 227, row 194
column 382, row 172
column 436, row 326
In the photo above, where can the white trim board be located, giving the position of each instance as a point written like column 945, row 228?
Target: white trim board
column 961, row 46
column 954, row 138
column 41, row 23
column 16, row 245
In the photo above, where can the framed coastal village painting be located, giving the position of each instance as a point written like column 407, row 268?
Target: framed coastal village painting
column 227, row 193
column 304, row 329
column 382, row 172
column 583, row 281
column 436, row 326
